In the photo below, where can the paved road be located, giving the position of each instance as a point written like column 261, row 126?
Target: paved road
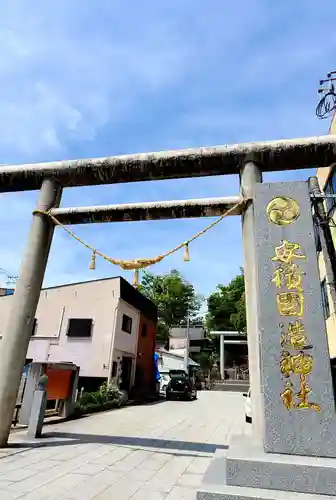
column 152, row 452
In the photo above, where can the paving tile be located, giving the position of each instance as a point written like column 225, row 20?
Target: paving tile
column 37, row 480
column 181, row 493
column 10, row 466
column 56, row 488
column 108, row 477
column 113, row 456
column 7, row 459
column 90, row 469
column 132, row 460
column 43, row 465
column 18, row 463
column 87, row 490
column 8, row 495
column 68, row 452
column 180, row 463
column 199, row 465
column 193, row 480
column 141, row 473
column 120, row 490
column 90, row 455
column 157, row 461
column 162, row 481
column 5, row 484
column 18, row 475
column 143, row 494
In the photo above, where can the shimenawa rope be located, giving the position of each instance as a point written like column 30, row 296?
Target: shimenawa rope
column 137, row 264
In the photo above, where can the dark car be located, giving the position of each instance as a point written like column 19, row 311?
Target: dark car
column 180, row 385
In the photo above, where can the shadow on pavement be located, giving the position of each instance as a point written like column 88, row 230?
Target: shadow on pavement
column 52, row 439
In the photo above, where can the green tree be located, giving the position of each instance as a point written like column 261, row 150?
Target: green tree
column 226, row 307
column 205, row 358
column 174, row 297
column 238, row 319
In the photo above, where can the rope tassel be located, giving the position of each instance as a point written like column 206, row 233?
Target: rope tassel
column 135, row 281
column 186, row 255
column 93, row 261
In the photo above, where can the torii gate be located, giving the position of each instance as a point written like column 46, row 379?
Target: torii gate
column 249, row 161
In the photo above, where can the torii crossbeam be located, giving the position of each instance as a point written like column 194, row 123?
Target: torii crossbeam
column 289, row 154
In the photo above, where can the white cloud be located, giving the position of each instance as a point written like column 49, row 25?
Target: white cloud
column 62, row 81
column 81, row 78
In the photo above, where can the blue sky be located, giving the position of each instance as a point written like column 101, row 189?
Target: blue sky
column 84, row 78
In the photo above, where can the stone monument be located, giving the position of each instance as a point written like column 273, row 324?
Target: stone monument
column 38, row 409
column 295, row 456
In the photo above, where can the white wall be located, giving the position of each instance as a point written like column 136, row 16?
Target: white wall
column 97, row 300
column 195, row 333
column 126, row 342
column 168, row 362
column 177, row 343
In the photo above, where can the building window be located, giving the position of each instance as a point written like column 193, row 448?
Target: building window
column 325, row 300
column 34, row 326
column 144, row 330
column 80, row 327
column 126, row 324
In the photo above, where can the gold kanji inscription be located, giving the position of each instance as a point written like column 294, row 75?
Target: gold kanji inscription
column 287, row 252
column 290, row 303
column 289, row 276
column 300, row 364
column 293, row 277
column 286, row 364
column 278, row 278
column 287, row 395
column 305, row 390
column 295, row 336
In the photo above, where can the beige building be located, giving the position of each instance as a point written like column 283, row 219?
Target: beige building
column 327, row 181
column 101, row 326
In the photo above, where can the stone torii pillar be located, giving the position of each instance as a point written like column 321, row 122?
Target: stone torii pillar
column 14, row 345
column 250, row 177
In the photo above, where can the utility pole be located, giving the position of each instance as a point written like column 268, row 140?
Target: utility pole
column 327, row 243
column 186, row 351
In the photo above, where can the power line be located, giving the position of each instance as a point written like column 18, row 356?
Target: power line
column 11, row 279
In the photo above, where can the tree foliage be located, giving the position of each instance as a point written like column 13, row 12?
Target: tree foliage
column 205, row 358
column 226, row 307
column 174, row 297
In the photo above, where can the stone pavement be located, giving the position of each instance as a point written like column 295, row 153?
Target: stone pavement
column 151, row 452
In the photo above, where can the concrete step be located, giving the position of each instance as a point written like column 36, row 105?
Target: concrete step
column 217, row 492
column 241, row 387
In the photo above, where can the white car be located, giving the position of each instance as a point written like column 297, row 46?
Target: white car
column 163, row 384
column 248, row 408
